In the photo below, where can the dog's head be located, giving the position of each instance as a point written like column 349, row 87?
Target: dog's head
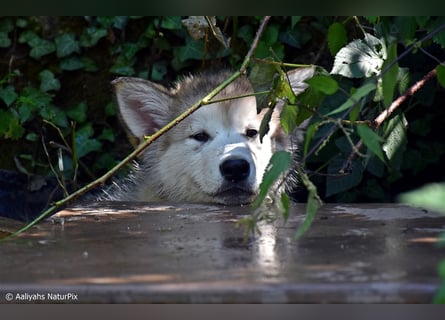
column 214, row 155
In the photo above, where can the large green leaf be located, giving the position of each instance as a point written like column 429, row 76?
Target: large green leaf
column 360, row 58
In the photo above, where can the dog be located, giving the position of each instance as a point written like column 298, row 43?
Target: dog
column 213, row 156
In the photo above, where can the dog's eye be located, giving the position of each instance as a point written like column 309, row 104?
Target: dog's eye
column 201, row 136
column 251, row 133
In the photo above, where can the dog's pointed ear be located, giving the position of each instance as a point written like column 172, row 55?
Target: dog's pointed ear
column 143, row 105
column 297, row 78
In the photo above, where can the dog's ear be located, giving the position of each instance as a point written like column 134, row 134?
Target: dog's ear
column 298, row 76
column 143, row 105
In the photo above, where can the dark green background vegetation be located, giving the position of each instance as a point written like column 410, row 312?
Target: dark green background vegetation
column 55, row 92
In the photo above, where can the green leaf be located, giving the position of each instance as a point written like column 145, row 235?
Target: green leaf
column 72, row 63
column 337, row 37
column 323, row 83
column 352, row 100
column 91, row 36
column 78, row 113
column 5, row 42
column 48, row 82
column 264, row 126
column 54, row 115
column 312, row 205
column 285, row 205
column 10, row 127
column 395, row 140
column 360, row 58
column 371, row 140
column 278, row 164
column 261, row 76
column 288, row 118
column 294, row 20
column 84, row 143
column 107, row 134
column 41, row 47
column 429, row 196
column 389, row 79
column 440, row 73
column 66, row 44
column 8, row 95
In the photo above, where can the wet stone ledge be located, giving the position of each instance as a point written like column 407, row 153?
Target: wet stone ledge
column 193, row 253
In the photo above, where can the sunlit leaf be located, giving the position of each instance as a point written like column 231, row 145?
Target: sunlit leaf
column 395, row 140
column 323, row 83
column 278, row 164
column 360, row 58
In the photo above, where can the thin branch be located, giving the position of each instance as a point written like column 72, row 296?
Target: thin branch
column 385, row 114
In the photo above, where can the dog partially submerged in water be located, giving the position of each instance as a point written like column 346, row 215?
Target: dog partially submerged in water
column 214, row 155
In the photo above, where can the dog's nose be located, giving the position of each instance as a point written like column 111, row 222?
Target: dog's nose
column 235, row 169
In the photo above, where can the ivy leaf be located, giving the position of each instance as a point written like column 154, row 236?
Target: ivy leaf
column 84, row 143
column 371, row 140
column 278, row 164
column 360, row 58
column 78, row 113
column 5, row 42
column 48, row 82
column 41, row 47
column 8, row 95
column 336, row 37
column 66, row 44
column 91, row 36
